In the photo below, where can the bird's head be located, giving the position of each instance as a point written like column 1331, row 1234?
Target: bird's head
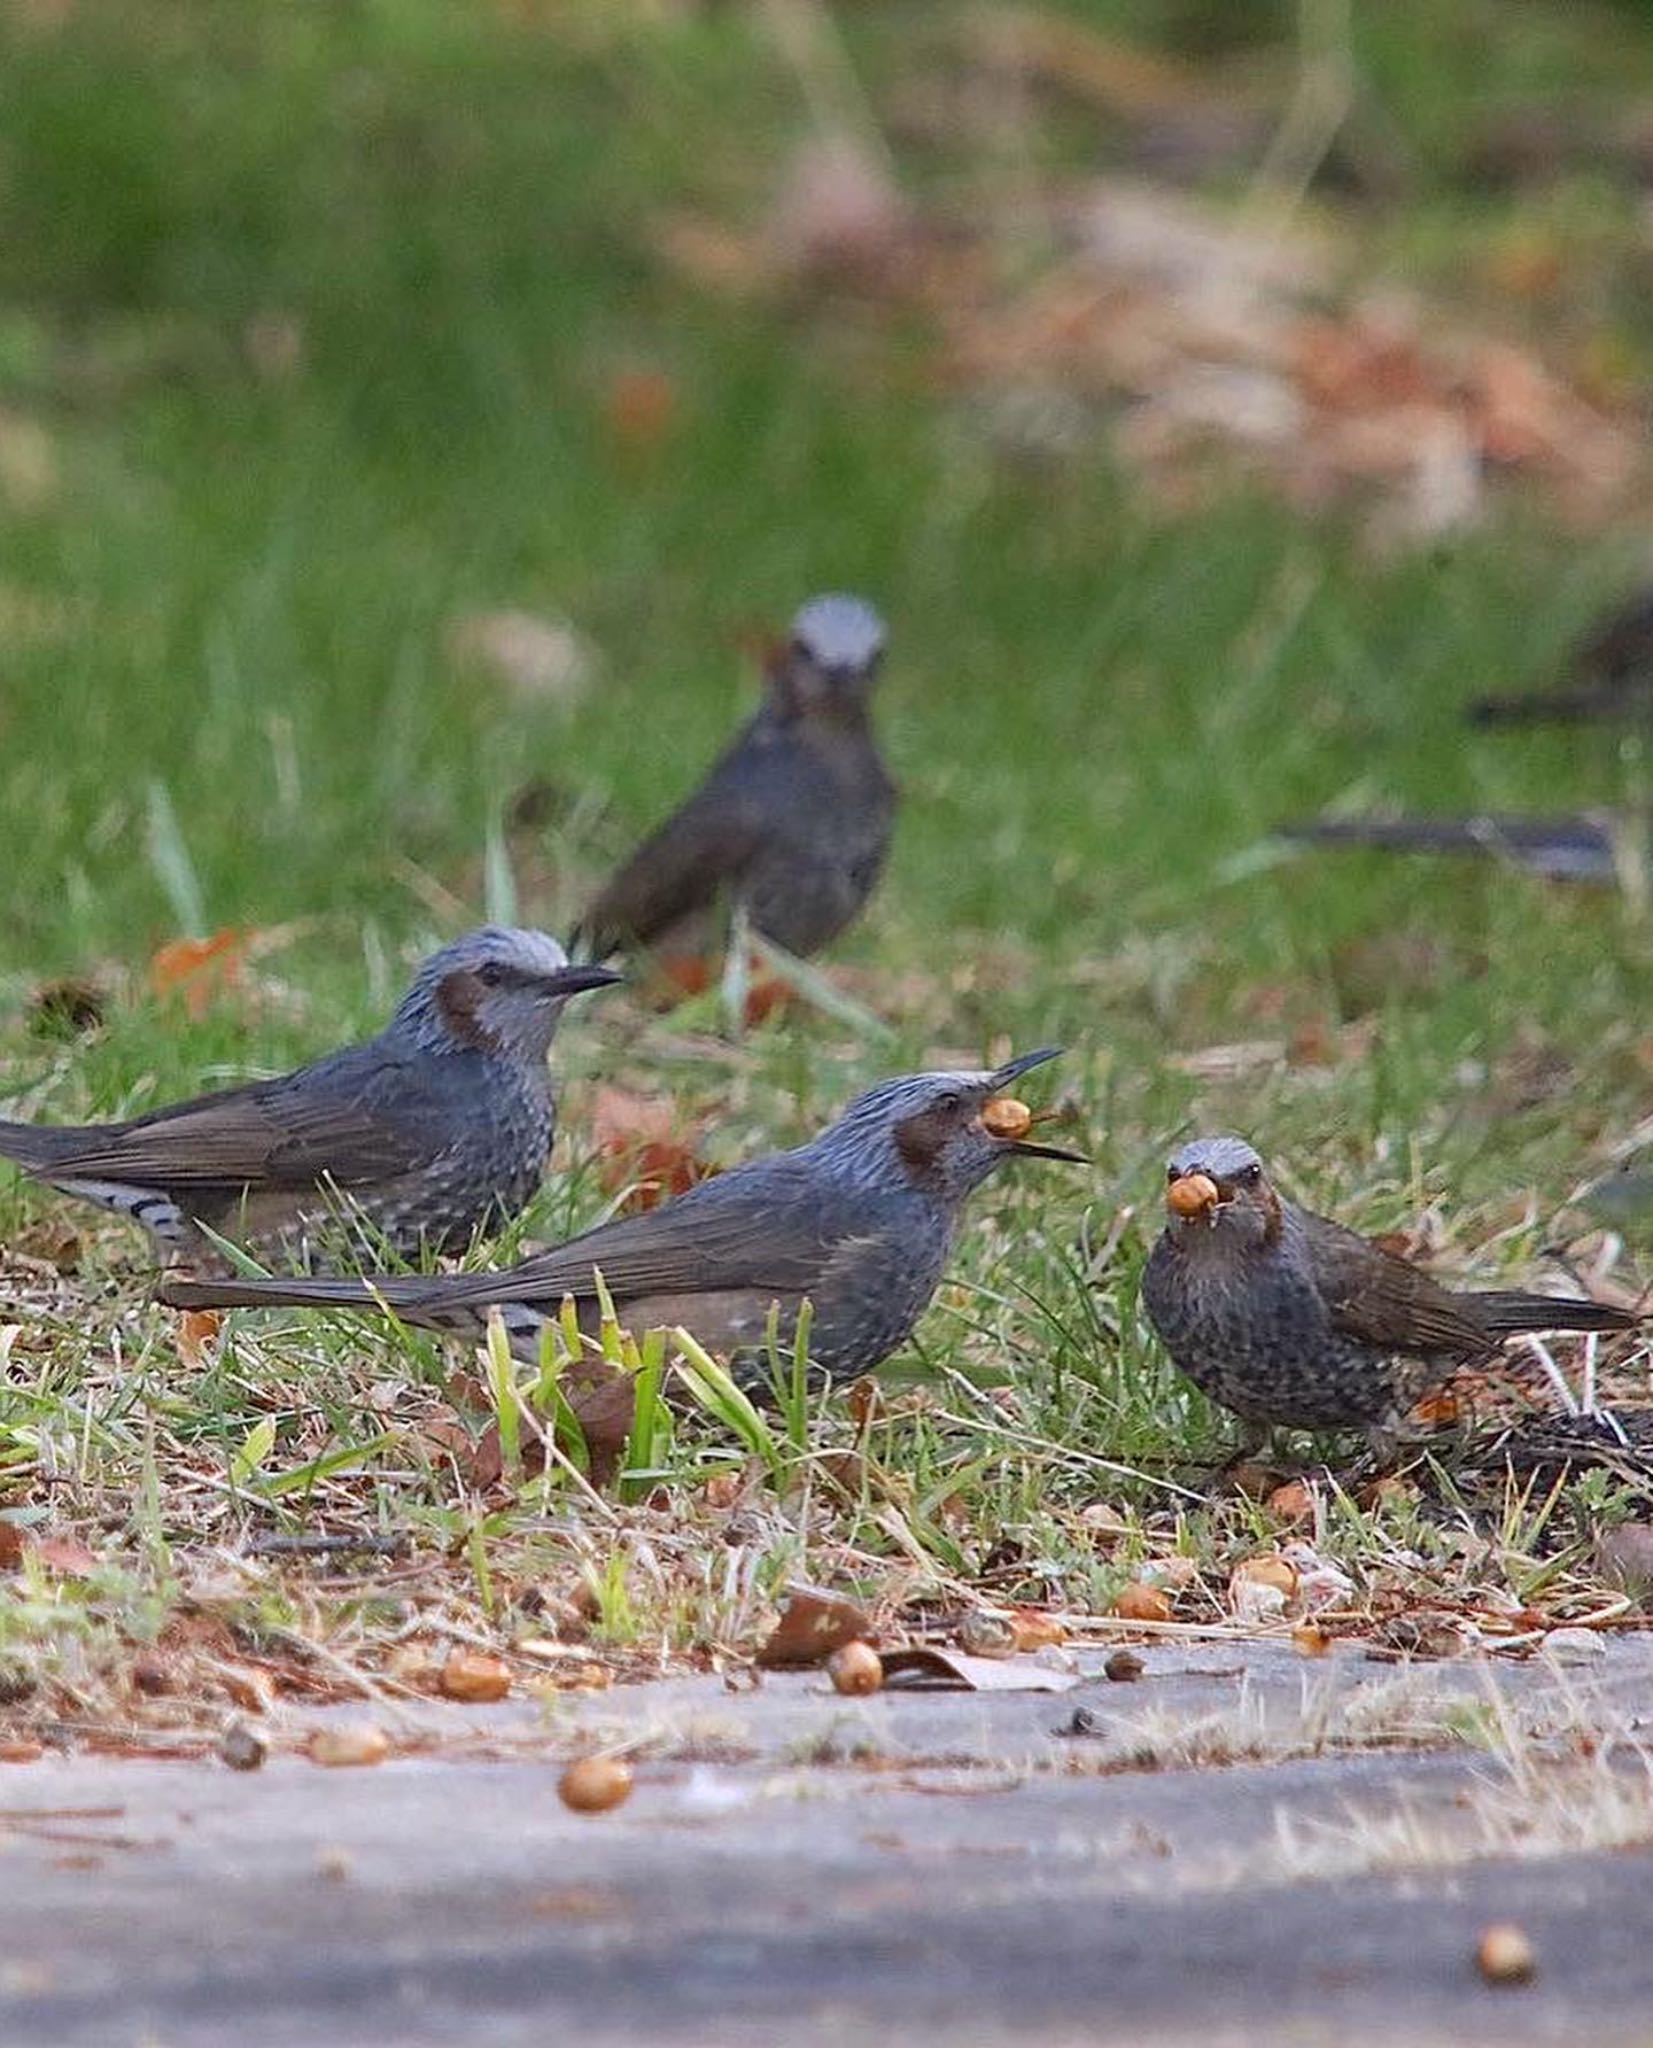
column 1217, row 1186
column 830, row 658
column 941, row 1133
column 495, row 990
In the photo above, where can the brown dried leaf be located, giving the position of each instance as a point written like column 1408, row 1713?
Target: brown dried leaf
column 197, row 1329
column 1137, row 1602
column 66, row 1554
column 200, row 971
column 813, row 1624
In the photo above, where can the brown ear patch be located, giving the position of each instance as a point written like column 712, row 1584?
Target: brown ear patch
column 458, row 1000
column 919, row 1138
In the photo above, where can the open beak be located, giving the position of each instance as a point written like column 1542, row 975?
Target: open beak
column 1193, row 1195
column 1009, row 1121
column 1012, row 1070
column 576, row 978
column 1023, row 1150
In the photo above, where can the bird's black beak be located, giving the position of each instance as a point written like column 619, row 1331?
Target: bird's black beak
column 1013, row 1069
column 576, row 978
column 1024, row 1150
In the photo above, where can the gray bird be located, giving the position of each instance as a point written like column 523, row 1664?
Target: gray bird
column 1293, row 1322
column 434, row 1129
column 793, row 822
column 1610, row 678
column 860, row 1221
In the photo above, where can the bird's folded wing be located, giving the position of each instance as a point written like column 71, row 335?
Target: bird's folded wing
column 678, row 869
column 1383, row 1301
column 350, row 1122
column 721, row 1236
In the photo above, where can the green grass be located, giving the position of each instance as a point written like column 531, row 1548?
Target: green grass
column 225, row 679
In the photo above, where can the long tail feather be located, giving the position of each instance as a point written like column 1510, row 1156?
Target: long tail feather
column 1576, row 849
column 1509, row 1311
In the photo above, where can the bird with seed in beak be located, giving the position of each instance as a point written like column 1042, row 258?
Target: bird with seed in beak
column 1291, row 1321
column 792, row 824
column 437, row 1128
column 859, row 1222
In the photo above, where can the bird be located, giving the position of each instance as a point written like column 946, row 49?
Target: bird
column 792, row 824
column 435, row 1129
column 1610, row 677
column 1589, row 846
column 860, row 1222
column 1291, row 1321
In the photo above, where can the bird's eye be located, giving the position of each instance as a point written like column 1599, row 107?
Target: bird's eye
column 1253, row 1175
column 949, row 1104
column 491, row 974
column 1173, row 1173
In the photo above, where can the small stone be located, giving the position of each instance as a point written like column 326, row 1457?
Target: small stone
column 983, row 1634
column 242, row 1747
column 1124, row 1667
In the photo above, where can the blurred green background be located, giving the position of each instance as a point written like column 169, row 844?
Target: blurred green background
column 329, row 332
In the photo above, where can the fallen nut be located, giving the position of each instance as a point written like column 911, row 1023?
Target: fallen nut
column 595, row 1784
column 1504, row 1955
column 856, row 1668
column 1005, row 1117
column 1124, row 1667
column 363, row 1743
column 1192, row 1195
column 472, row 1675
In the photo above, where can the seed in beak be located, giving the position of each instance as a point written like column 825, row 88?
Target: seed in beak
column 1005, row 1117
column 1195, row 1194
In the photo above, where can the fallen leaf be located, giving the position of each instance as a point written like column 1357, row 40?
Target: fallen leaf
column 52, row 1239
column 1137, row 1602
column 197, row 1329
column 640, row 407
column 927, row 1668
column 813, row 1624
column 1033, row 1629
column 1292, row 1502
column 200, row 972
column 66, row 1554
column 644, row 1146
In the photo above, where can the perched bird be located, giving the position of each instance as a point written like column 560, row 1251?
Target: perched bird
column 1294, row 1322
column 1588, row 847
column 437, row 1127
column 792, row 823
column 1611, row 673
column 860, row 1221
